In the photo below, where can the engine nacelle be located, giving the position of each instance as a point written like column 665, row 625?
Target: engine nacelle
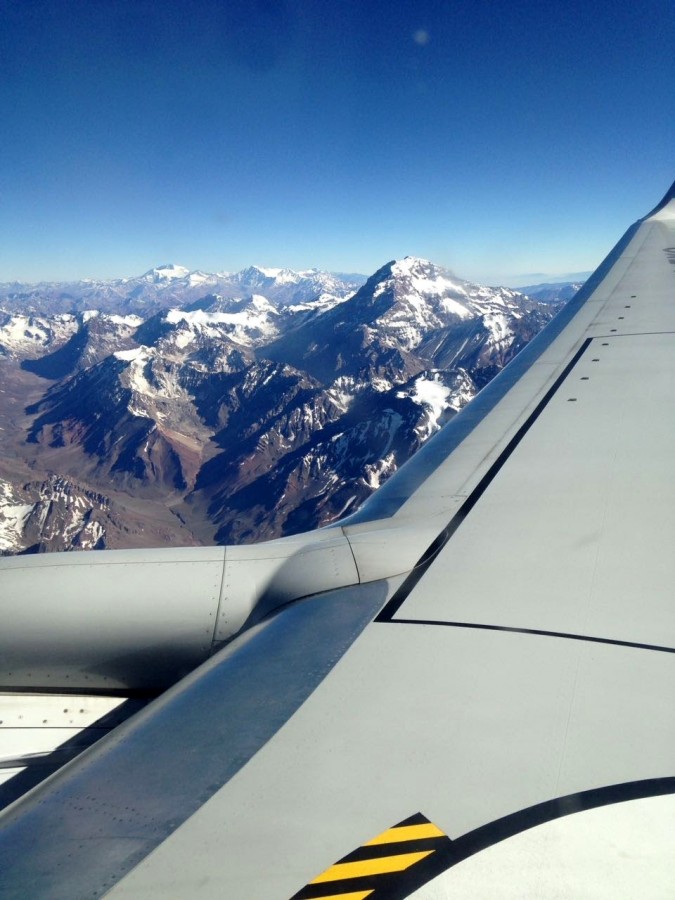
column 138, row 620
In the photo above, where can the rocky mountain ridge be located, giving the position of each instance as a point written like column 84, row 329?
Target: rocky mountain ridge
column 235, row 416
column 172, row 285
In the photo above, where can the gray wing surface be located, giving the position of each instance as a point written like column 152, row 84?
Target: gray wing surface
column 504, row 665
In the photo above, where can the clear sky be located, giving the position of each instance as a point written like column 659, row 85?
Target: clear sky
column 500, row 138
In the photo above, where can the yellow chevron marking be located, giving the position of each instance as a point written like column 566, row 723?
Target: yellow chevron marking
column 370, row 867
column 354, row 895
column 406, row 833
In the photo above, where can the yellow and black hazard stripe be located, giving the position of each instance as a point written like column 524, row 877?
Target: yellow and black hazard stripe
column 389, row 867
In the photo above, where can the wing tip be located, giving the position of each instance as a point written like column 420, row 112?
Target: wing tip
column 670, row 195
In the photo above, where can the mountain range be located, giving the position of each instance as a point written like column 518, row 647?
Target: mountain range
column 183, row 408
column 173, row 285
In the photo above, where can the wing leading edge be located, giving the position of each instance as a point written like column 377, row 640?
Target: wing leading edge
column 513, row 667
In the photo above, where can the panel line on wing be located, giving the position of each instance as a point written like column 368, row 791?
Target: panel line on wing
column 535, row 631
column 81, row 691
column 624, row 334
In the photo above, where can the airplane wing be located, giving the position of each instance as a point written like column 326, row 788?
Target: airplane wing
column 465, row 689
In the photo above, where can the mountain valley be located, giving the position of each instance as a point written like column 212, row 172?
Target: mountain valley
column 184, row 408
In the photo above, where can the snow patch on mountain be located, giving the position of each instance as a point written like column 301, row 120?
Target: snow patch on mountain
column 55, row 514
column 184, row 338
column 197, row 278
column 167, row 272
column 13, row 517
column 343, row 399
column 431, row 392
column 379, row 384
column 499, row 327
column 268, row 272
column 90, row 534
column 138, row 359
column 129, row 355
column 391, row 422
column 426, row 279
column 23, row 335
column 285, row 276
column 374, row 474
column 254, row 322
column 130, row 321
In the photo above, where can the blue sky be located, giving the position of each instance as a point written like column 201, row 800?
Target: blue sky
column 500, row 139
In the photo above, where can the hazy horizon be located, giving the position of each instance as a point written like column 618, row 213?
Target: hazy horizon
column 515, row 281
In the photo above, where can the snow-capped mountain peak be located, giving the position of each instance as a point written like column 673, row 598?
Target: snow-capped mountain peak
column 259, row 276
column 166, row 272
column 267, row 271
column 262, row 304
column 411, row 264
